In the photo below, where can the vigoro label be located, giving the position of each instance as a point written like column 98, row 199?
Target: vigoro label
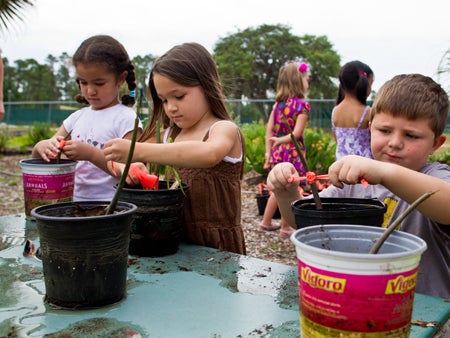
column 316, row 280
column 356, row 303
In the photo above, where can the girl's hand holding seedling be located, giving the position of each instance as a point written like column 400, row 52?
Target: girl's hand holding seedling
column 116, row 168
column 117, row 150
column 77, row 150
column 48, row 149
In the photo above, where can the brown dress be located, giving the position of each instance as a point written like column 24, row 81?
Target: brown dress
column 212, row 209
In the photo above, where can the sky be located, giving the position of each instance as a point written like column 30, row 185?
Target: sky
column 391, row 36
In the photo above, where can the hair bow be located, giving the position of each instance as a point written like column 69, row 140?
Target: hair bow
column 303, row 68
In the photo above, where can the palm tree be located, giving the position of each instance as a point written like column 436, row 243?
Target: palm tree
column 11, row 10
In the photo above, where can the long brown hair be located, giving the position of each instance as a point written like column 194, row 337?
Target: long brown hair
column 189, row 65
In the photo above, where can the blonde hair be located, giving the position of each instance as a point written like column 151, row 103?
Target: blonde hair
column 290, row 82
column 414, row 97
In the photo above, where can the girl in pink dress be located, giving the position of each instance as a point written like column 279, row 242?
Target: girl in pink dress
column 290, row 113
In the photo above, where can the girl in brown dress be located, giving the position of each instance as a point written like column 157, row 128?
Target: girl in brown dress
column 206, row 146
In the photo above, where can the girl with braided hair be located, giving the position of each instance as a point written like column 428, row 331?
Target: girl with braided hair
column 102, row 66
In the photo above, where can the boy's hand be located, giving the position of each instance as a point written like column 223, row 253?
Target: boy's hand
column 352, row 169
column 280, row 179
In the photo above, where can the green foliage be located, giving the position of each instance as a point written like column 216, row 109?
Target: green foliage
column 320, row 150
column 12, row 10
column 19, row 143
column 249, row 62
column 39, row 131
column 4, row 137
column 443, row 157
column 254, row 135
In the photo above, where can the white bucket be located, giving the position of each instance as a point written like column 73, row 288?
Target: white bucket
column 47, row 182
column 346, row 292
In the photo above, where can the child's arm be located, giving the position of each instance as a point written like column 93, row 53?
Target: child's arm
column 222, row 140
column 407, row 184
column 298, row 131
column 285, row 189
column 268, row 139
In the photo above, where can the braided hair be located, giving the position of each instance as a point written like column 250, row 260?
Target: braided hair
column 105, row 50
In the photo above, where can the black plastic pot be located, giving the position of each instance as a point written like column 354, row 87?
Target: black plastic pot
column 339, row 211
column 261, row 200
column 157, row 226
column 84, row 258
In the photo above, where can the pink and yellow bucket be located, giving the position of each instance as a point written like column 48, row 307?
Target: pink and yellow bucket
column 47, row 182
column 346, row 292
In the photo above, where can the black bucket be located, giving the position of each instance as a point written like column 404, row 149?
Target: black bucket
column 84, row 258
column 362, row 211
column 261, row 201
column 157, row 226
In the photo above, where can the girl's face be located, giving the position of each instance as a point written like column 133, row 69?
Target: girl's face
column 401, row 141
column 99, row 86
column 185, row 106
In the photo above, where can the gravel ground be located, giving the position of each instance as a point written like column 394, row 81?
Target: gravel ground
column 266, row 245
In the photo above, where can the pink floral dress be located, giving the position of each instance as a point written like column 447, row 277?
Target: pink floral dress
column 285, row 116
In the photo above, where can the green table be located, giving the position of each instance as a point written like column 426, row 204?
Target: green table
column 198, row 292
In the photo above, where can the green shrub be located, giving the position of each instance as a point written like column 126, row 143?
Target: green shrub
column 4, row 137
column 39, row 131
column 443, row 157
column 320, row 148
column 255, row 135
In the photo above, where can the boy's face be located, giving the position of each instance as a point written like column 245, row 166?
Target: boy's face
column 401, row 141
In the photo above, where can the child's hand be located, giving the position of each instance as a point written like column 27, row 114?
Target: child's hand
column 353, row 169
column 117, row 150
column 77, row 150
column 48, row 149
column 280, row 178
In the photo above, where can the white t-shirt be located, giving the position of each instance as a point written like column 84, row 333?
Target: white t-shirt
column 95, row 127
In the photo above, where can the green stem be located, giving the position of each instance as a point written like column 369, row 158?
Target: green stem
column 314, row 190
column 112, row 205
column 58, row 158
column 397, row 221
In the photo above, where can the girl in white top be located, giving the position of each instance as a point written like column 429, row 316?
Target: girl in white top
column 102, row 66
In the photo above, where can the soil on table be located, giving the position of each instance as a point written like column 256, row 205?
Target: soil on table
column 264, row 245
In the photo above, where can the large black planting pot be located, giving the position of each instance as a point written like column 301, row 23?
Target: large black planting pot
column 84, row 258
column 157, row 226
column 362, row 211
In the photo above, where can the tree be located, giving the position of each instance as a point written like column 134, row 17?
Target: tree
column 11, row 10
column 249, row 62
column 142, row 66
column 35, row 82
column 325, row 66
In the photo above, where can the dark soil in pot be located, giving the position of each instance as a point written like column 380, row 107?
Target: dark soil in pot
column 339, row 211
